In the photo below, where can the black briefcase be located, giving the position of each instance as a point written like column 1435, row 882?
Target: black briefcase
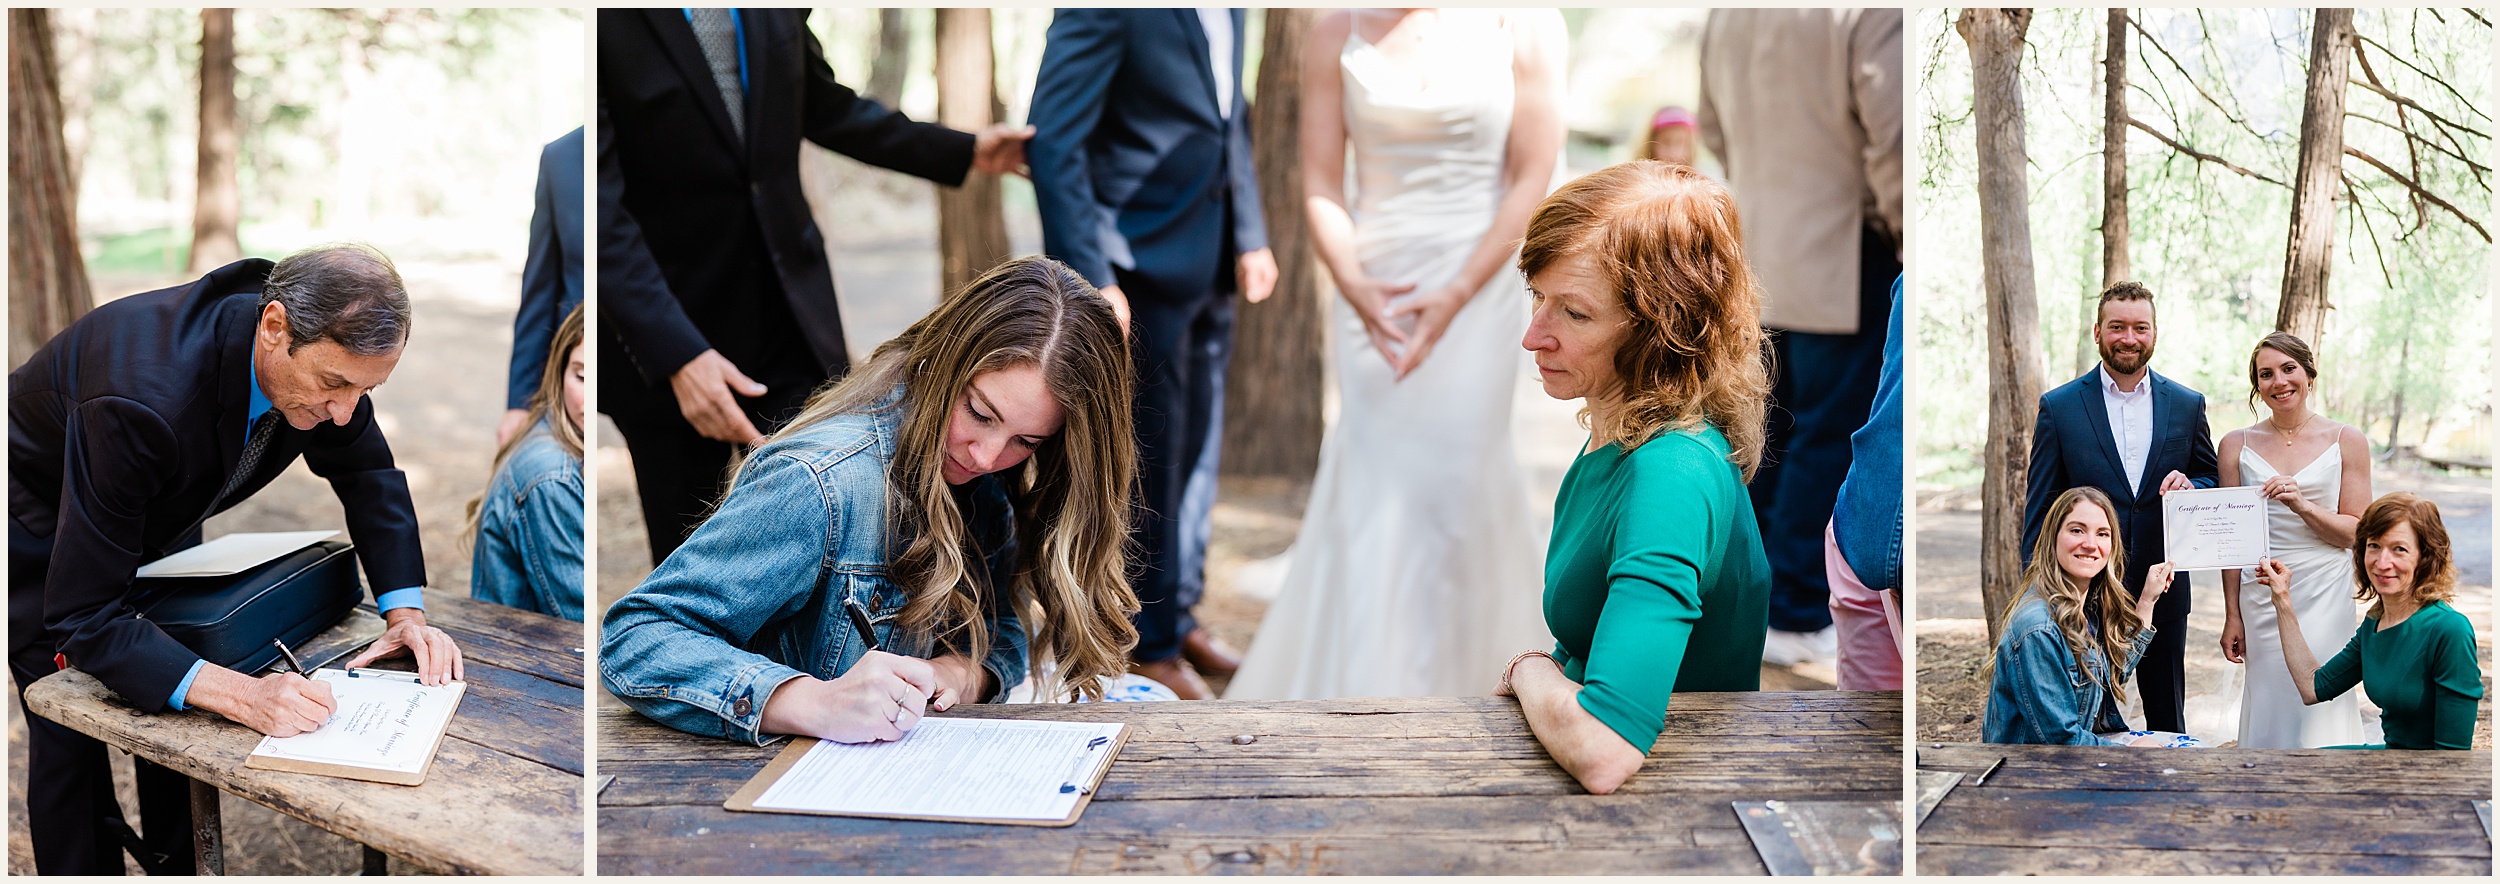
column 230, row 620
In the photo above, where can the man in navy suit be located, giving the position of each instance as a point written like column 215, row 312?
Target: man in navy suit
column 2136, row 436
column 128, row 430
column 551, row 278
column 1141, row 169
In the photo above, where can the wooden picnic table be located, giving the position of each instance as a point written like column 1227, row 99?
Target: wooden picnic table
column 504, row 795
column 1354, row 786
column 2120, row 810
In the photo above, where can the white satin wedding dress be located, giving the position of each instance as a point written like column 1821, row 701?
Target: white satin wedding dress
column 1418, row 570
column 2271, row 714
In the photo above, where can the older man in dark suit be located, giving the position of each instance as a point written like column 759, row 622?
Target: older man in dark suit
column 2136, row 436
column 1141, row 169
column 551, row 278
column 716, row 305
column 126, row 432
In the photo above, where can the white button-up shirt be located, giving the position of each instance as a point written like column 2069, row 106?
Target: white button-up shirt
column 2130, row 424
column 1219, row 25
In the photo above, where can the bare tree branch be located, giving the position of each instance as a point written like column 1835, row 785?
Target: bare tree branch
column 2199, row 155
column 2419, row 190
column 2470, row 13
column 2227, row 114
column 2478, row 168
column 2434, row 78
column 2377, row 249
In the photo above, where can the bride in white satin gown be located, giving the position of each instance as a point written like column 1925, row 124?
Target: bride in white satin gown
column 1419, row 566
column 2316, row 477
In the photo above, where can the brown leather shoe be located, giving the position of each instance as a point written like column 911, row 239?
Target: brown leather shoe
column 1208, row 655
column 1175, row 674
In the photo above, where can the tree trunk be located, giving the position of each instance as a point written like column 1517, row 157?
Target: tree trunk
column 2309, row 250
column 47, row 273
column 885, row 72
column 1273, row 390
column 1995, row 37
column 972, row 224
column 2114, row 267
column 217, row 208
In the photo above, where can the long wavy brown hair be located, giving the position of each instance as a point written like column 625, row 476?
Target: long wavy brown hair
column 2072, row 604
column 1071, row 497
column 547, row 404
column 2434, row 570
column 1666, row 238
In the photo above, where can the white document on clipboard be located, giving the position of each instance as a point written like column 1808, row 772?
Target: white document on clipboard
column 386, row 729
column 983, row 770
column 232, row 553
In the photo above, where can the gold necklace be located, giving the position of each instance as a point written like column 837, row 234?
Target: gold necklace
column 2288, row 435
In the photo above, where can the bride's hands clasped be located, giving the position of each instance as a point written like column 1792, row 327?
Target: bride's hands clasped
column 1370, row 300
column 1433, row 311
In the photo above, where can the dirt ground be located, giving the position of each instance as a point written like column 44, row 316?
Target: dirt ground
column 1953, row 641
column 439, row 412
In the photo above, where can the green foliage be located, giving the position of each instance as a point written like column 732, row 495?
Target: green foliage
column 2411, row 320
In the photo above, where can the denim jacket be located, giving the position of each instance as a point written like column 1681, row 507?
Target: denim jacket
column 754, row 597
column 529, row 530
column 2039, row 695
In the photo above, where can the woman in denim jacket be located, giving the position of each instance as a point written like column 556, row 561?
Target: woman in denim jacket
column 976, row 468
column 2072, row 634
column 526, row 530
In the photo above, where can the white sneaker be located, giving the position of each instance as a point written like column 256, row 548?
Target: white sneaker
column 1783, row 648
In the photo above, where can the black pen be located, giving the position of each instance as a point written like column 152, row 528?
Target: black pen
column 290, row 658
column 860, row 622
column 1991, row 771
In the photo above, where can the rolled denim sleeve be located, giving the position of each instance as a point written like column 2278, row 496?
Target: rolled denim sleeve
column 2135, row 651
column 675, row 648
column 2051, row 709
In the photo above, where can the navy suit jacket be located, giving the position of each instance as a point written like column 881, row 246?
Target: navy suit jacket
column 1134, row 165
column 2071, row 445
column 699, row 228
column 551, row 280
column 122, row 431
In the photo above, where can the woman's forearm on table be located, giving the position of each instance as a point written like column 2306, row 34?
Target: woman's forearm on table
column 1585, row 747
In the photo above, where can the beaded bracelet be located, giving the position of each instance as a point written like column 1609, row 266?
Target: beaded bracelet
column 1514, row 664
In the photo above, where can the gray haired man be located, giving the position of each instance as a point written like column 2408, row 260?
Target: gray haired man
column 127, row 431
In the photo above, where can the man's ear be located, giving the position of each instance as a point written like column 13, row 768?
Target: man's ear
column 271, row 330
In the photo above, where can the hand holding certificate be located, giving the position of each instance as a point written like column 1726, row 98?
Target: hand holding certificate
column 2212, row 529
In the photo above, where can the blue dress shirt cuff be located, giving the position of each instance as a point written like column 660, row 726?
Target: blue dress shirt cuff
column 183, row 689
column 411, row 597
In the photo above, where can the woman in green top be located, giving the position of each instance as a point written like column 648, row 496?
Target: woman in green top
column 2414, row 654
column 1654, row 579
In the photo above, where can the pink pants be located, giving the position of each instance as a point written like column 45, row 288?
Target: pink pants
column 1869, row 622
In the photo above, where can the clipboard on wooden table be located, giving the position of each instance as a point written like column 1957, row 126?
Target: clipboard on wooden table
column 386, row 730
column 996, row 771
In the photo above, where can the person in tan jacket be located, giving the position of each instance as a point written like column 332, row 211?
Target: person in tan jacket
column 1803, row 109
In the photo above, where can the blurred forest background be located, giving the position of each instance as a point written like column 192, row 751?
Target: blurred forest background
column 2187, row 149
column 415, row 131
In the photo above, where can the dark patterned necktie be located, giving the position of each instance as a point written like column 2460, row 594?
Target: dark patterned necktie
column 263, row 430
column 717, row 33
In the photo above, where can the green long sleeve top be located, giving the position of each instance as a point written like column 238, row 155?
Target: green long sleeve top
column 1655, row 579
column 2420, row 672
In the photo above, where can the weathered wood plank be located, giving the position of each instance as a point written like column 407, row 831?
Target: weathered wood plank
column 2084, row 810
column 1368, row 785
column 2464, row 774
column 479, row 811
column 1581, row 834
column 511, row 624
column 1954, row 859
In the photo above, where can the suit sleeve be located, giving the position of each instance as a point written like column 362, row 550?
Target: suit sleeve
column 835, row 116
column 1079, row 58
column 542, row 287
column 116, row 457
column 2204, row 467
column 381, row 516
column 1249, row 217
column 2046, row 479
column 1875, row 89
column 634, row 297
